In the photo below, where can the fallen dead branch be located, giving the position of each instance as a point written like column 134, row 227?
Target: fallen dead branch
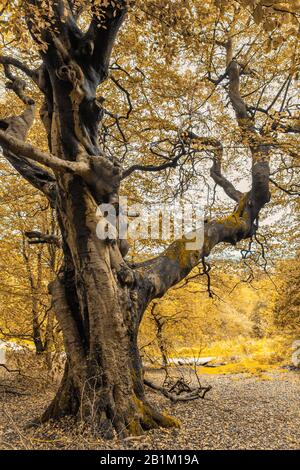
column 180, row 391
column 11, row 370
column 13, row 391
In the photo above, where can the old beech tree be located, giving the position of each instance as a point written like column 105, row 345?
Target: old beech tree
column 98, row 297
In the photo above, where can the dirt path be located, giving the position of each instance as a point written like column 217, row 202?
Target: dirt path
column 241, row 413
column 238, row 413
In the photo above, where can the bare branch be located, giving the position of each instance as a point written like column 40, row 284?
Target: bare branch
column 39, row 237
column 193, row 394
column 179, row 258
column 208, row 144
column 34, row 174
column 17, row 85
column 169, row 164
column 215, row 171
column 18, row 127
column 127, row 94
column 290, row 192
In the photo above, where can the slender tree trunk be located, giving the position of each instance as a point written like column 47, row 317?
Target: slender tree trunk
column 159, row 324
column 36, row 330
column 35, row 291
column 49, row 338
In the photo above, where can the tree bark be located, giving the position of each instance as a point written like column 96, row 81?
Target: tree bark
column 103, row 382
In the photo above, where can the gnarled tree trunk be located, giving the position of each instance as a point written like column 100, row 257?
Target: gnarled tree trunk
column 99, row 299
column 99, row 317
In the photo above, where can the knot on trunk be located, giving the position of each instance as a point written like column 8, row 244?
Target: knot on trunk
column 73, row 74
column 109, row 170
column 103, row 176
column 66, row 73
column 86, row 48
column 123, row 247
column 126, row 276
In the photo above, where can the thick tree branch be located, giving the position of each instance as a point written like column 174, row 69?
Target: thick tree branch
column 17, row 85
column 105, row 24
column 102, row 175
column 179, row 259
column 45, row 21
column 173, row 265
column 37, row 176
column 215, row 171
column 260, row 150
column 18, row 126
column 17, row 146
column 8, row 60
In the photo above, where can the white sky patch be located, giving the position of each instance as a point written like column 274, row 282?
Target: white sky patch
column 276, row 216
column 2, row 93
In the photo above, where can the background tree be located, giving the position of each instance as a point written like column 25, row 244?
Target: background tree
column 27, row 265
column 287, row 310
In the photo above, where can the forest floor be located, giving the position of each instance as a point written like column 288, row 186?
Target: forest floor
column 240, row 412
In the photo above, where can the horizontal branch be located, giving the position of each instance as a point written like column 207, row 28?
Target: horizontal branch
column 178, row 260
column 194, row 394
column 8, row 60
column 170, row 164
column 39, row 237
column 23, row 149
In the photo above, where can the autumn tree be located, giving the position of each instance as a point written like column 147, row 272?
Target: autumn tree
column 99, row 297
column 28, row 263
column 286, row 314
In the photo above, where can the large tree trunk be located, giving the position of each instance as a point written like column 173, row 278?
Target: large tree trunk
column 99, row 300
column 103, row 382
column 92, row 296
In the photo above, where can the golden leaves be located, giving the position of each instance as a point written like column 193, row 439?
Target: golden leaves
column 273, row 14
